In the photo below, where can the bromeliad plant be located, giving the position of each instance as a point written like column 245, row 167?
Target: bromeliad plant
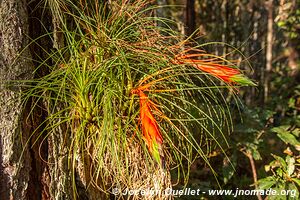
column 133, row 103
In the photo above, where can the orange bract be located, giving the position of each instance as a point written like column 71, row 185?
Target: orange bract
column 220, row 71
column 150, row 129
column 149, row 125
column 213, row 65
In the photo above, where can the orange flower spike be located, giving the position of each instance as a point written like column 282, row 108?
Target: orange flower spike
column 223, row 72
column 148, row 121
column 150, row 127
column 219, row 71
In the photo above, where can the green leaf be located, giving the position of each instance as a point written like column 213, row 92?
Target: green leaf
column 278, row 195
column 280, row 172
column 256, row 155
column 281, row 24
column 289, row 138
column 253, row 148
column 266, row 183
column 297, row 181
column 286, row 136
column 290, row 165
column 296, row 132
column 281, row 161
column 267, row 168
column 293, row 191
column 291, row 102
column 280, row 129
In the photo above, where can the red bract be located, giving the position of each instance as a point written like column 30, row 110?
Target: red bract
column 150, row 129
column 214, row 67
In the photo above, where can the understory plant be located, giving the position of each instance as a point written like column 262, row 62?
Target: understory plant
column 133, row 99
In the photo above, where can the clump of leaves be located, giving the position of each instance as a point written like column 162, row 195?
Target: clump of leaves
column 284, row 179
column 124, row 99
column 285, row 171
column 288, row 18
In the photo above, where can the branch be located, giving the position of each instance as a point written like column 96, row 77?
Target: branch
column 253, row 168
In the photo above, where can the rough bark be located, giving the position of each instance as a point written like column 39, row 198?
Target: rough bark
column 15, row 64
column 60, row 183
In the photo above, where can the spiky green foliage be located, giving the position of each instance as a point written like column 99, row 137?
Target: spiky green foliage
column 111, row 49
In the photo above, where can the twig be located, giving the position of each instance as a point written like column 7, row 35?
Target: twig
column 253, row 168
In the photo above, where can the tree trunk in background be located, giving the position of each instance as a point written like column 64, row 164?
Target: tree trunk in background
column 269, row 49
column 226, row 33
column 15, row 64
column 190, row 22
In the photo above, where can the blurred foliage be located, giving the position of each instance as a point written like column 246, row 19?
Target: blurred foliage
column 288, row 19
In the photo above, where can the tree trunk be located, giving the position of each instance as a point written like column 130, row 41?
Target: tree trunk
column 15, row 64
column 190, row 21
column 269, row 50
